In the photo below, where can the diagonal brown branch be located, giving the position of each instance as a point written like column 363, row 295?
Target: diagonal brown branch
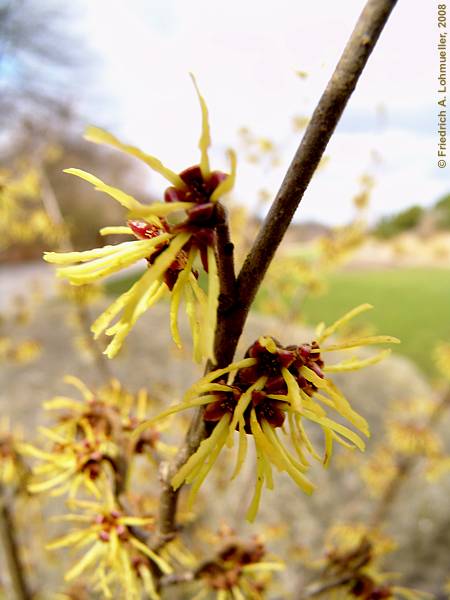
column 233, row 311
column 8, row 538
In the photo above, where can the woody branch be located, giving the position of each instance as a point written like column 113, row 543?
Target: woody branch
column 237, row 295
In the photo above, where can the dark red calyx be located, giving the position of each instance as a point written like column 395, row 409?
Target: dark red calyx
column 270, row 411
column 308, row 387
column 201, row 214
column 317, row 370
column 192, row 177
column 286, row 357
column 144, row 230
column 204, row 237
column 198, row 189
column 304, row 351
column 258, row 396
column 276, row 385
column 215, row 178
column 172, row 194
column 248, row 375
column 172, row 272
column 225, row 403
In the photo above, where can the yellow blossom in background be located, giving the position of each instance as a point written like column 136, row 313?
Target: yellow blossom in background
column 259, row 149
column 23, row 219
column 110, row 410
column 20, row 352
column 379, row 470
column 301, row 269
column 300, row 123
column 82, row 295
column 13, row 470
column 70, row 464
column 347, row 536
column 351, row 567
column 413, row 438
column 169, row 235
column 410, row 436
column 111, row 553
column 442, row 359
column 238, row 570
column 271, row 385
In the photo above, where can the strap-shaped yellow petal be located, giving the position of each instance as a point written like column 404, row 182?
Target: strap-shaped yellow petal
column 100, row 136
column 160, row 209
column 354, row 364
column 205, row 137
column 116, row 230
column 182, row 280
column 254, row 505
column 121, row 197
column 367, row 341
column 69, row 258
column 345, row 319
column 227, row 184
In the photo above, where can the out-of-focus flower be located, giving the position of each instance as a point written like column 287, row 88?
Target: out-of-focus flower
column 115, row 555
column 380, row 469
column 300, row 122
column 21, row 352
column 351, row 566
column 72, row 463
column 170, row 235
column 411, row 438
column 83, row 294
column 271, row 385
column 13, row 470
column 22, row 219
column 442, row 359
column 259, row 149
column 90, row 439
column 239, row 569
column 110, row 411
column 410, row 435
column 347, row 536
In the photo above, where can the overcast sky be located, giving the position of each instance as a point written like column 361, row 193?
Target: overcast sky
column 244, row 54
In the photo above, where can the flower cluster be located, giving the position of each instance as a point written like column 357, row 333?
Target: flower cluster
column 239, row 569
column 23, row 219
column 116, row 556
column 410, row 435
column 170, row 236
column 90, row 438
column 351, row 566
column 274, row 386
column 71, row 464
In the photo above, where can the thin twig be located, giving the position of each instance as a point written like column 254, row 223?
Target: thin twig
column 404, row 467
column 318, row 589
column 233, row 312
column 8, row 537
column 317, row 135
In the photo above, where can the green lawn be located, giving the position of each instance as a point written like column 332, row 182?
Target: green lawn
column 411, row 304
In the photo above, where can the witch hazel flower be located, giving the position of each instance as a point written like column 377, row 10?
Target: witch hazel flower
column 113, row 557
column 273, row 392
column 70, row 465
column 170, row 235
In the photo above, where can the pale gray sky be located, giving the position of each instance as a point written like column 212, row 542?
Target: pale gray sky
column 244, row 54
